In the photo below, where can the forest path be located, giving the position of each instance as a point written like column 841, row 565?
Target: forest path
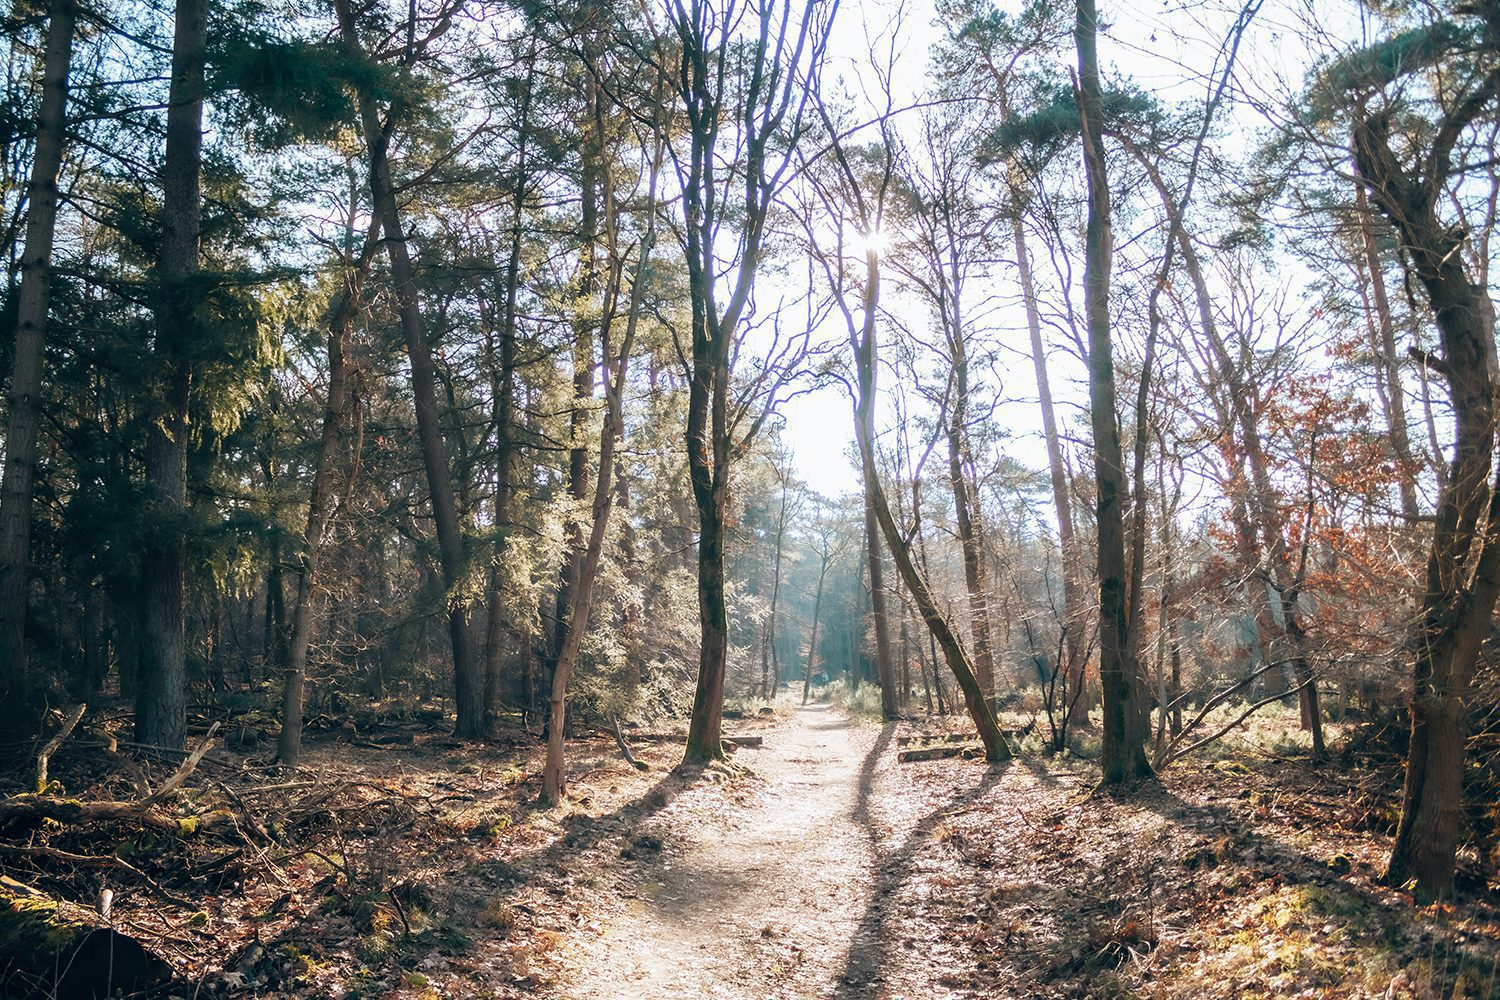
column 769, row 899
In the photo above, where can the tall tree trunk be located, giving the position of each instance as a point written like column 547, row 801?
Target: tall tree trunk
column 706, row 725
column 1387, row 372
column 1122, row 759
column 995, row 748
column 1281, row 577
column 95, row 642
column 503, row 416
column 1243, row 406
column 890, row 701
column 468, row 674
column 779, row 65
column 554, row 776
column 273, row 632
column 708, row 449
column 319, row 506
column 630, row 616
column 904, row 663
column 865, row 354
column 583, row 392
column 967, row 520
column 161, row 698
column 23, row 418
column 1258, row 591
column 812, row 640
column 768, row 691
column 554, row 773
column 1073, row 587
column 1463, row 566
column 707, row 440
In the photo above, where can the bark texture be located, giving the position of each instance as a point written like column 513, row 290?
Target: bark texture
column 468, row 673
column 1122, row 759
column 161, row 697
column 33, row 302
column 1463, row 565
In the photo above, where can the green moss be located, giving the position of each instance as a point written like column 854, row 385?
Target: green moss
column 1307, row 906
column 299, row 964
column 1329, row 902
column 30, row 925
column 187, row 826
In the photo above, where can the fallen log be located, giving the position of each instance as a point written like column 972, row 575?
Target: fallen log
column 145, row 811
column 927, row 739
column 625, row 747
column 744, row 741
column 939, row 752
column 641, row 737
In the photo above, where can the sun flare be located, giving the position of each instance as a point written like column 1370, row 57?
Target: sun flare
column 861, row 243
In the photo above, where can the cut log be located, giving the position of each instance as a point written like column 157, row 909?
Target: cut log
column 940, row 752
column 744, row 741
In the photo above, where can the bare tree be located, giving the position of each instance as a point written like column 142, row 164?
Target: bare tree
column 859, row 203
column 952, row 234
column 732, row 156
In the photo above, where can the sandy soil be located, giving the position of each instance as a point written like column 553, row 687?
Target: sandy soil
column 836, row 872
column 771, row 900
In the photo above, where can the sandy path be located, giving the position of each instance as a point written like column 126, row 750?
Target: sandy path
column 769, row 900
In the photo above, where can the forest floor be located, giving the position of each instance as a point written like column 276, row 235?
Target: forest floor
column 399, row 863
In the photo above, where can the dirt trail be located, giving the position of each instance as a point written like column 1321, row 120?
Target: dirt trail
column 772, row 899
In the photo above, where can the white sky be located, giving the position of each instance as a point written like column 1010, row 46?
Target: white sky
column 1168, row 48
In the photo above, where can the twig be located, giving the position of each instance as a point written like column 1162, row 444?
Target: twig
column 254, row 824
column 45, row 757
column 105, row 860
column 395, row 899
column 185, row 771
column 1177, row 755
column 286, row 786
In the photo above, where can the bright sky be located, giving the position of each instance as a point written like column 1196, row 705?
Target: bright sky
column 1167, row 47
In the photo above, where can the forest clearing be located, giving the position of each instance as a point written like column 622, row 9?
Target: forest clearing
column 750, row 499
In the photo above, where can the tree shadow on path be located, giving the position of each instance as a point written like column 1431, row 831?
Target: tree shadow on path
column 865, row 968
